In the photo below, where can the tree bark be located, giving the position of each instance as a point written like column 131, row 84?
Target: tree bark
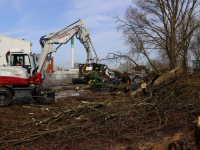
column 167, row 77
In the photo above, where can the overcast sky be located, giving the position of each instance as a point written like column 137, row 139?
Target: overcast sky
column 31, row 19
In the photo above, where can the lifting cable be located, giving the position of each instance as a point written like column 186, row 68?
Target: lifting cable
column 84, row 69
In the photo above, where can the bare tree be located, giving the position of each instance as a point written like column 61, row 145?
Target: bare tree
column 126, row 66
column 129, row 59
column 195, row 49
column 160, row 64
column 156, row 25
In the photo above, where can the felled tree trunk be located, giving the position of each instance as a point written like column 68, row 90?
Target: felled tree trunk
column 67, row 88
column 114, row 86
column 167, row 77
column 162, row 80
column 197, row 133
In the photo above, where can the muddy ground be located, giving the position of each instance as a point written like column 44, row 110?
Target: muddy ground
column 106, row 120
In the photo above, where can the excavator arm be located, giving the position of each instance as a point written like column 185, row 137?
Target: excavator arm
column 62, row 36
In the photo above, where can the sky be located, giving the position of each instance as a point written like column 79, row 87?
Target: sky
column 32, row 19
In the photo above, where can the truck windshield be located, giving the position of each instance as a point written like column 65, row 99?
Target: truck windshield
column 33, row 62
column 19, row 60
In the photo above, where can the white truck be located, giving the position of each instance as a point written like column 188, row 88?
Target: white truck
column 112, row 75
column 8, row 43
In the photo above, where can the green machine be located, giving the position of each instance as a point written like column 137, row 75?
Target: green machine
column 94, row 74
column 95, row 80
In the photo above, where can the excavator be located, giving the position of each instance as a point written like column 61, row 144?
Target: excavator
column 25, row 78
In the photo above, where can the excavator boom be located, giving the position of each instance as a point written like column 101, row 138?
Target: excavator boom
column 62, row 36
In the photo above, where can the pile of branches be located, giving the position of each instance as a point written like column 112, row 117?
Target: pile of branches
column 120, row 118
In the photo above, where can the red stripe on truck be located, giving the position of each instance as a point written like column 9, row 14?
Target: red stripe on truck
column 5, row 80
column 64, row 36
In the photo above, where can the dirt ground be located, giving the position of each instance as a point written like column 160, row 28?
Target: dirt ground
column 106, row 120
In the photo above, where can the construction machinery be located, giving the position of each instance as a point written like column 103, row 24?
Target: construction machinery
column 112, row 75
column 21, row 74
column 100, row 69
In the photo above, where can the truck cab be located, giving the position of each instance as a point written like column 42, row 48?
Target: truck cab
column 112, row 75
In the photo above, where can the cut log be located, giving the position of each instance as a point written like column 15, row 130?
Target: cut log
column 197, row 132
column 114, row 86
column 68, row 88
column 135, row 93
column 167, row 77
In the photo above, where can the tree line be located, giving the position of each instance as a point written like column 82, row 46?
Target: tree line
column 168, row 29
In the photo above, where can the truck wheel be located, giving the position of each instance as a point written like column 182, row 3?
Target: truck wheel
column 6, row 96
column 44, row 98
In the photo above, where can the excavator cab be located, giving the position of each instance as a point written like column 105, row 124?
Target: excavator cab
column 19, row 58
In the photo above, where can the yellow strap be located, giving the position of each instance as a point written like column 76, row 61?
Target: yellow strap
column 84, row 69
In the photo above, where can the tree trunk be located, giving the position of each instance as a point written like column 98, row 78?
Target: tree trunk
column 114, row 86
column 172, row 62
column 167, row 77
column 161, row 80
column 196, row 68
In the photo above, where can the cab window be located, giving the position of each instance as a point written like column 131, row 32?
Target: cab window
column 20, row 59
column 32, row 62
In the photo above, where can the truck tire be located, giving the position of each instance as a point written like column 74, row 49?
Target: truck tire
column 6, row 96
column 43, row 98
